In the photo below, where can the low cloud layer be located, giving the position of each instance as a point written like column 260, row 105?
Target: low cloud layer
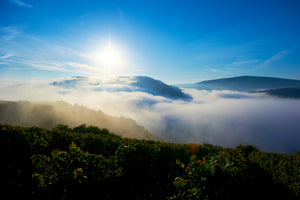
column 223, row 118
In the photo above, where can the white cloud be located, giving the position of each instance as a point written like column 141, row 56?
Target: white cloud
column 123, row 20
column 9, row 33
column 276, row 57
column 21, row 3
column 85, row 66
column 244, row 62
column 40, row 65
column 5, row 56
column 223, row 118
column 222, row 71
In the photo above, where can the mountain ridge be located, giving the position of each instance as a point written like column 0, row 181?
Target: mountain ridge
column 126, row 84
column 244, row 83
column 293, row 92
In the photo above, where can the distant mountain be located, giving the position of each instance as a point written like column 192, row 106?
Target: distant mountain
column 293, row 93
column 49, row 115
column 244, row 84
column 126, row 84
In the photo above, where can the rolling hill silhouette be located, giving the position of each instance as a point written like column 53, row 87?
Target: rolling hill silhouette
column 126, row 84
column 244, row 84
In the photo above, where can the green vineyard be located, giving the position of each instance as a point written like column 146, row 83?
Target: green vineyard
column 90, row 163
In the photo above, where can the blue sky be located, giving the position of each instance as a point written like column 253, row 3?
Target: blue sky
column 174, row 41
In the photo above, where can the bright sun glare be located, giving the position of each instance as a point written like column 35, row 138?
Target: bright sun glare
column 109, row 57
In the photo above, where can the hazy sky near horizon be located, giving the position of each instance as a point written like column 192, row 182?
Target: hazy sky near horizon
column 174, row 41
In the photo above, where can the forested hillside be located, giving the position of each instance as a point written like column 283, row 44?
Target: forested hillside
column 86, row 162
column 50, row 114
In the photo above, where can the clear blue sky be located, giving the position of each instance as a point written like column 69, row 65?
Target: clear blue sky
column 174, row 41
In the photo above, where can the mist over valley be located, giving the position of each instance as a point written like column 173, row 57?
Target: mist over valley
column 185, row 115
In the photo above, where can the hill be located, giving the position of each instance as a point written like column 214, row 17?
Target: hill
column 244, row 84
column 86, row 162
column 293, row 93
column 48, row 115
column 124, row 83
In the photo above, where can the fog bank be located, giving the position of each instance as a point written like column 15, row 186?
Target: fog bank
column 223, row 118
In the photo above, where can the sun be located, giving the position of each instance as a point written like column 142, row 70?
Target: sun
column 108, row 59
column 109, row 56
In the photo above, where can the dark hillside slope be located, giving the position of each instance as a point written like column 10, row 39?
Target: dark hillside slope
column 86, row 162
column 48, row 115
column 156, row 87
column 245, row 83
column 293, row 93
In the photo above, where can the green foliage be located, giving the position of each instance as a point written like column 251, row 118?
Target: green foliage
column 72, row 171
column 87, row 162
column 246, row 149
column 90, row 129
column 213, row 177
column 284, row 168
